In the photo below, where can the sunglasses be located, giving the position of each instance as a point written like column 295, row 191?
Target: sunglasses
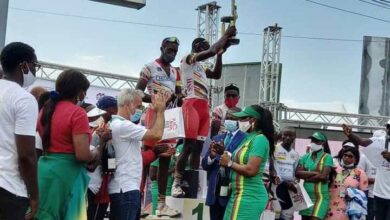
column 172, row 40
column 37, row 66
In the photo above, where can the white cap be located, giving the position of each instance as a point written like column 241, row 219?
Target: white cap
column 388, row 122
column 348, row 144
column 379, row 133
column 95, row 112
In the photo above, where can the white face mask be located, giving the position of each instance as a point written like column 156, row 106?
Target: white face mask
column 244, row 125
column 349, row 166
column 28, row 79
column 315, row 147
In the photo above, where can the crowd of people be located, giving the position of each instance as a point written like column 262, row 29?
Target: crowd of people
column 63, row 158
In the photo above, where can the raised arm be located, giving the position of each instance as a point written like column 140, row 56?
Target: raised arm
column 216, row 48
column 355, row 138
column 216, row 73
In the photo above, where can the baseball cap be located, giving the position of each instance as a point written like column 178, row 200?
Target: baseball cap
column 106, row 102
column 95, row 112
column 318, row 136
column 248, row 111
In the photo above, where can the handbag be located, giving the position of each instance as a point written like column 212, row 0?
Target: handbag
column 174, row 124
column 301, row 199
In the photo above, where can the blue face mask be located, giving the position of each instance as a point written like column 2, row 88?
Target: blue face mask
column 231, row 125
column 137, row 116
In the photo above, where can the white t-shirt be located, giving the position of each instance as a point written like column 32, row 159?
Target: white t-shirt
column 18, row 115
column 96, row 176
column 285, row 163
column 382, row 178
column 369, row 169
column 126, row 137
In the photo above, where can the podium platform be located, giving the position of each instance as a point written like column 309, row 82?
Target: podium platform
column 191, row 209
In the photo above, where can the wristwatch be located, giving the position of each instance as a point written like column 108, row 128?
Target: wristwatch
column 230, row 164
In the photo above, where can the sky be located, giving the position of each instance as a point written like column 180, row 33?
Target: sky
column 317, row 74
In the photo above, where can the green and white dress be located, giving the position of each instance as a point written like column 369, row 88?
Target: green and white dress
column 249, row 195
column 318, row 192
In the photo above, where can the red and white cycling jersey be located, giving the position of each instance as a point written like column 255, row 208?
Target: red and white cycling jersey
column 194, row 79
column 158, row 80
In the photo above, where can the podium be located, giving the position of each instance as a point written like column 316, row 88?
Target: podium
column 191, row 209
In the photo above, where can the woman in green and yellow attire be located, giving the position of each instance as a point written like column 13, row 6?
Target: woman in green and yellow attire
column 249, row 195
column 314, row 168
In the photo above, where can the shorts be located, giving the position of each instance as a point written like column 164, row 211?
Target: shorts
column 150, row 118
column 196, row 118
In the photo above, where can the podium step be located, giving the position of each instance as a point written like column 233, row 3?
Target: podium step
column 190, row 209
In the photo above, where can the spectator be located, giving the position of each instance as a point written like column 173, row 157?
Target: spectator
column 160, row 76
column 382, row 179
column 37, row 91
column 314, row 168
column 369, row 169
column 348, row 175
column 65, row 134
column 219, row 178
column 96, row 208
column 249, row 195
column 232, row 97
column 18, row 118
column 126, row 136
column 285, row 163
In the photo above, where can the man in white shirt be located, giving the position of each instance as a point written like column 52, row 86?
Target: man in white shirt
column 126, row 139
column 382, row 178
column 285, row 163
column 18, row 119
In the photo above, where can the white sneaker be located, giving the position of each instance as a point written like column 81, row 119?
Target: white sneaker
column 143, row 214
column 167, row 211
column 177, row 192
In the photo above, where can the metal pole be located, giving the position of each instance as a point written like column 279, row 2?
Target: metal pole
column 3, row 21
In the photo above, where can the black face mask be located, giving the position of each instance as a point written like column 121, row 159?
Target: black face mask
column 167, row 58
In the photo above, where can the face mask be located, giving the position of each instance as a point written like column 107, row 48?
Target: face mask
column 230, row 125
column 28, row 79
column 168, row 58
column 244, row 125
column 136, row 116
column 349, row 166
column 315, row 147
column 231, row 102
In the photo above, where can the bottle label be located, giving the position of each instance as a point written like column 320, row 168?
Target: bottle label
column 111, row 163
column 224, row 191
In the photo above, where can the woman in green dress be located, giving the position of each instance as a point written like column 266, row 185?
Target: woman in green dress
column 249, row 195
column 315, row 168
